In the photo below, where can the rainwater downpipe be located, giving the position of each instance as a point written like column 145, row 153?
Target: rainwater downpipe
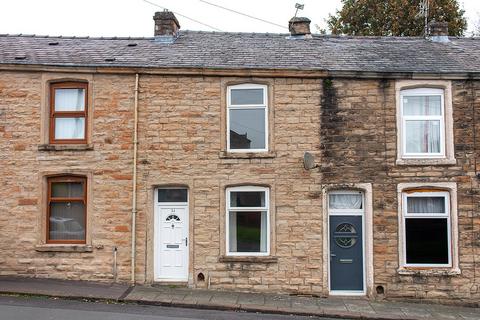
column 134, row 182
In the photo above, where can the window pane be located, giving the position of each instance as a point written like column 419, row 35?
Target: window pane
column 426, row 204
column 423, row 136
column 426, row 241
column 69, row 99
column 422, row 105
column 246, row 96
column 67, row 190
column 69, row 128
column 248, row 231
column 67, row 221
column 247, row 129
column 172, row 195
column 345, row 201
column 247, row 199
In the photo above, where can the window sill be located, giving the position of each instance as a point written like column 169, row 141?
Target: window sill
column 426, row 162
column 63, row 248
column 248, row 259
column 65, row 147
column 410, row 271
column 246, row 155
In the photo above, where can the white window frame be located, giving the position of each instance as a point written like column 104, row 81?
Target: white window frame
column 263, row 106
column 247, row 209
column 446, row 215
column 441, row 118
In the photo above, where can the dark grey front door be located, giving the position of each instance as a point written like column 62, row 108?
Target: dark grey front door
column 346, row 253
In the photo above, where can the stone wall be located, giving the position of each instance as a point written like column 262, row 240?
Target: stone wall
column 181, row 144
column 24, row 168
column 358, row 144
column 349, row 125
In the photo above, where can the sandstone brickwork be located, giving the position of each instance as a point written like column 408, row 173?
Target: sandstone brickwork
column 24, row 168
column 349, row 125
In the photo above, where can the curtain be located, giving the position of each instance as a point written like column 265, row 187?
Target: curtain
column 423, row 136
column 422, row 105
column 263, row 232
column 69, row 128
column 345, row 201
column 67, row 221
column 69, row 99
column 426, row 205
column 232, row 224
column 67, row 190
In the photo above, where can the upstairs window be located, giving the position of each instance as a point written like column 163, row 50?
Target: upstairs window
column 247, row 118
column 66, row 209
column 423, row 123
column 68, row 112
column 248, row 221
column 426, row 218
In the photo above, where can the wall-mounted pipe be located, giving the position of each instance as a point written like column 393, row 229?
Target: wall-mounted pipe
column 134, row 182
column 114, row 266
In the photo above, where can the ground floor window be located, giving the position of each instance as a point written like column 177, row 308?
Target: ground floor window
column 247, row 220
column 66, row 209
column 427, row 229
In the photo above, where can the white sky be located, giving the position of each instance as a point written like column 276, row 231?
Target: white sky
column 134, row 17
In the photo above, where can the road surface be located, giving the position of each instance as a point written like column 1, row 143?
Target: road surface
column 41, row 308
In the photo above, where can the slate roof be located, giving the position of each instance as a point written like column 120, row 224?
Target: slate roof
column 198, row 49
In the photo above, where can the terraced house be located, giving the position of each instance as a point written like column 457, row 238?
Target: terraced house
column 295, row 163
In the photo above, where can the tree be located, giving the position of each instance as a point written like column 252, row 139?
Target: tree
column 394, row 17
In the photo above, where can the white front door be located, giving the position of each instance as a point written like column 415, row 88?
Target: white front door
column 171, row 241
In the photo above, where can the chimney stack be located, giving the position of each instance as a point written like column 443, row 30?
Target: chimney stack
column 299, row 27
column 166, row 24
column 438, row 31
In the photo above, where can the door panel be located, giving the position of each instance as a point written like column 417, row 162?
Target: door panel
column 171, row 247
column 346, row 253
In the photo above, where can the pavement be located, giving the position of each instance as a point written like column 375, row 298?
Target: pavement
column 45, row 308
column 335, row 307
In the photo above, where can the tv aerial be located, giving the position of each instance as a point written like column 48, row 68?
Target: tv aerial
column 298, row 6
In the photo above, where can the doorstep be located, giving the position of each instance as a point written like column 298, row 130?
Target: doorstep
column 174, row 284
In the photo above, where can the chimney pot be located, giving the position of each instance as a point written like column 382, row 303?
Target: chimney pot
column 166, row 24
column 299, row 26
column 438, row 31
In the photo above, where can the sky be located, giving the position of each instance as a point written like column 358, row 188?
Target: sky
column 134, row 17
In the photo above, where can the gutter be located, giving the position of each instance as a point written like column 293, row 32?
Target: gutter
column 275, row 73
column 134, row 182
